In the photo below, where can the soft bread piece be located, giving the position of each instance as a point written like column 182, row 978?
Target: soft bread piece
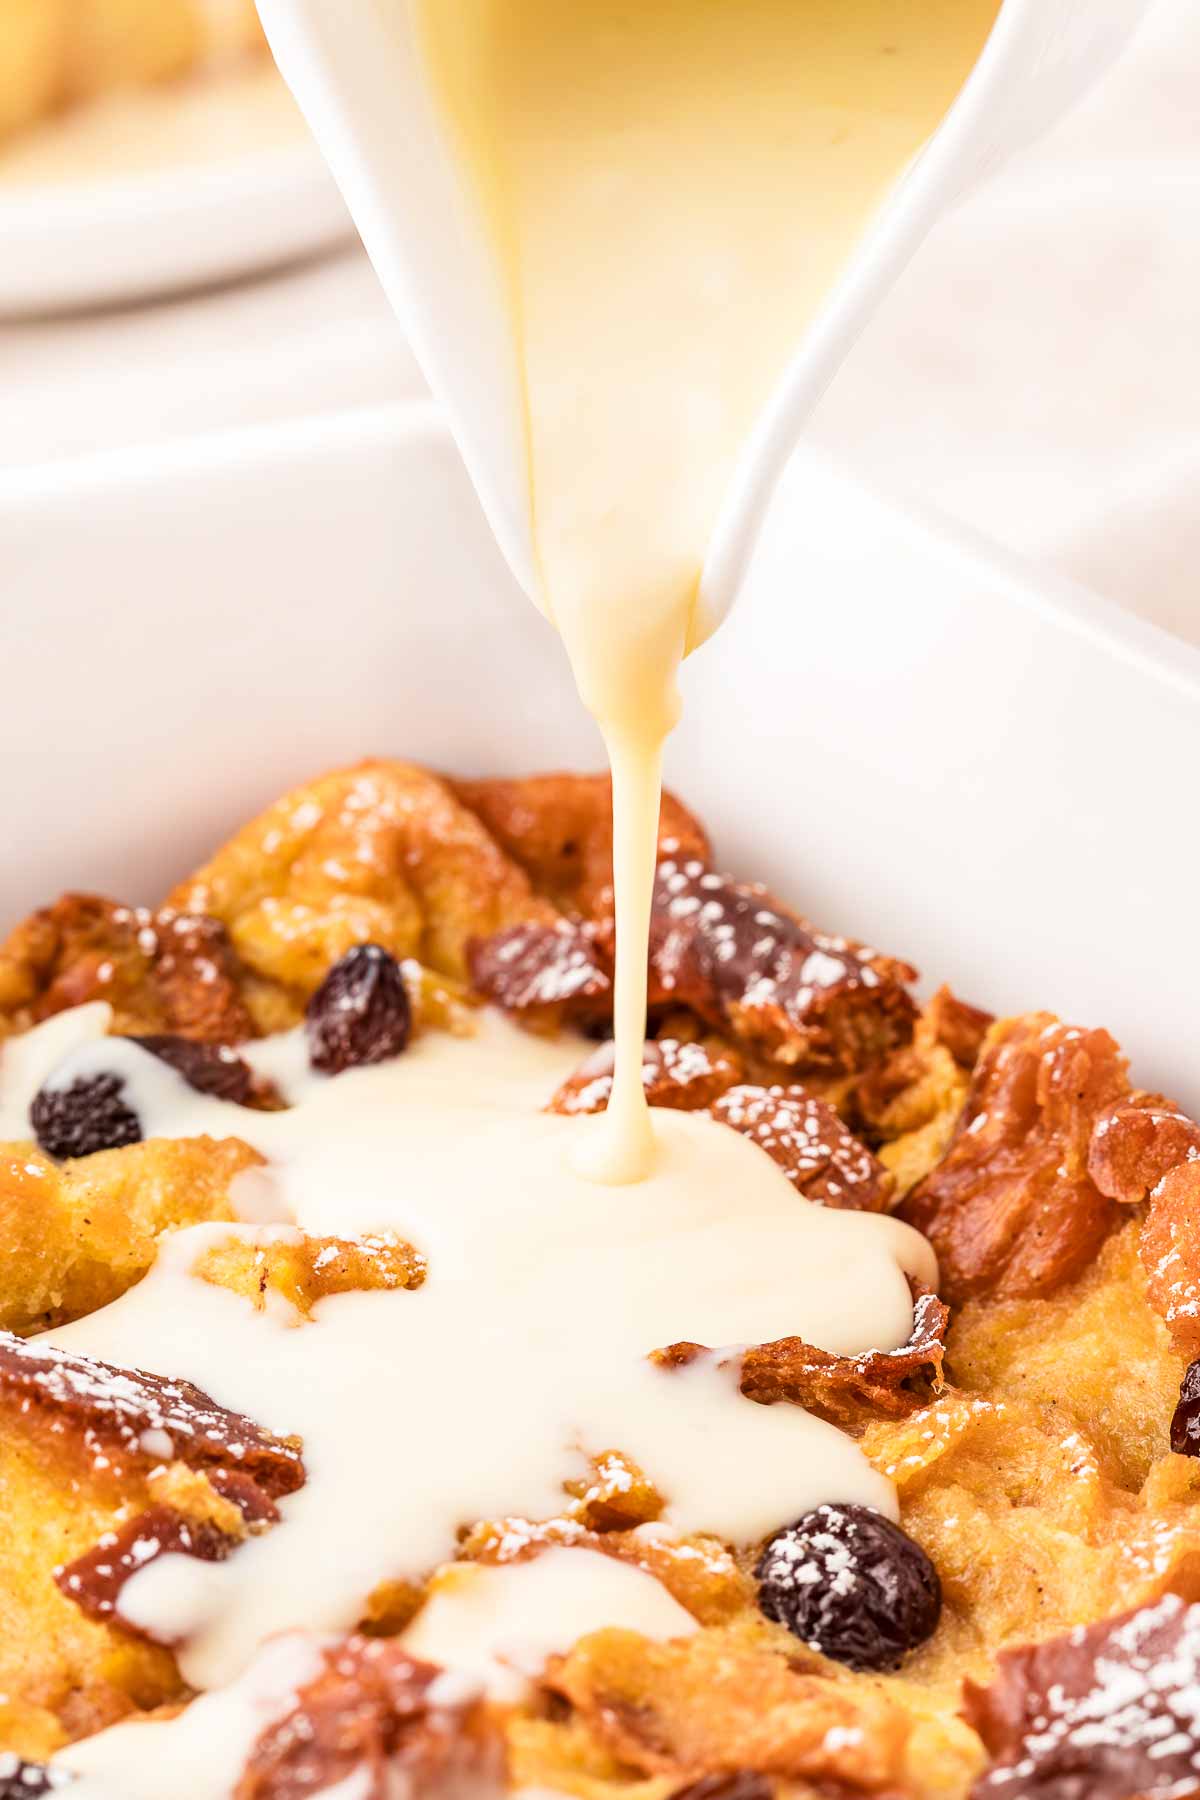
column 75, row 1235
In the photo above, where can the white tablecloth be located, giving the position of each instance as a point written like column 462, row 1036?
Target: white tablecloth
column 1036, row 372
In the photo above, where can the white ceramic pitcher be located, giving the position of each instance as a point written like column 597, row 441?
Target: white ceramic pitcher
column 356, row 70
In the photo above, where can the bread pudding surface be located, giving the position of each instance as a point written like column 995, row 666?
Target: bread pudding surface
column 324, row 1474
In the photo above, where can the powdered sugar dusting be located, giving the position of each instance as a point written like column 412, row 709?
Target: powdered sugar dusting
column 1105, row 1712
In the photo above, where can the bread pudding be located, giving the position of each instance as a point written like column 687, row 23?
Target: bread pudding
column 1023, row 1622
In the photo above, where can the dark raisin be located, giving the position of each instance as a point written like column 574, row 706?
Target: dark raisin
column 1185, row 1421
column 742, row 1784
column 89, row 1115
column 360, row 1013
column 27, row 1781
column 212, row 1069
column 851, row 1585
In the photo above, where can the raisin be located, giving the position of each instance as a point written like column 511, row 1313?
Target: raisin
column 27, row 1781
column 89, row 1115
column 360, row 1013
column 1185, row 1421
column 212, row 1069
column 851, row 1585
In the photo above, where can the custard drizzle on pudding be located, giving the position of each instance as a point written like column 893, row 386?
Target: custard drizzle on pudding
column 526, row 1350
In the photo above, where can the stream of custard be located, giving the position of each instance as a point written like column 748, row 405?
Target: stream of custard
column 672, row 187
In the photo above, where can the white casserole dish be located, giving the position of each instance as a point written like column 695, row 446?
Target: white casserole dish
column 915, row 737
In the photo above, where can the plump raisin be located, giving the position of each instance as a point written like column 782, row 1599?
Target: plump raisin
column 1185, row 1422
column 212, row 1069
column 27, row 1781
column 89, row 1115
column 360, row 1013
column 851, row 1585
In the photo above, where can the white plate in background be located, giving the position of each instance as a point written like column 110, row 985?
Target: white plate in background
column 913, row 737
column 145, row 194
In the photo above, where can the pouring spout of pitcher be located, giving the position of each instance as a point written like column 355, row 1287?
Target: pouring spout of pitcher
column 359, row 76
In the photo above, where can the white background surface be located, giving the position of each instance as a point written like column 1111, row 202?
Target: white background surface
column 1037, row 372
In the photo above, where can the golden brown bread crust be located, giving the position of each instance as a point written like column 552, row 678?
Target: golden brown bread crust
column 80, row 1457
column 801, row 1133
column 381, row 853
column 1011, row 1209
column 165, row 971
column 304, row 1270
column 703, row 1705
column 1145, row 1149
column 1090, row 1713
column 850, row 1390
column 847, row 1390
column 798, row 1000
column 77, row 1234
column 558, row 828
column 684, row 1076
column 1038, row 1478
column 703, row 1574
column 746, row 963
column 373, row 1715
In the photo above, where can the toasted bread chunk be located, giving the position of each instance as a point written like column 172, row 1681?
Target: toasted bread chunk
column 77, row 1234
column 202, row 1516
column 799, row 1131
column 1029, row 1533
column 785, row 992
column 375, row 1720
column 160, row 972
column 910, row 1106
column 1056, row 1352
column 559, row 829
column 703, row 1574
column 81, row 1448
column 544, row 974
column 686, row 1076
column 304, row 1270
column 804, row 1136
column 706, row 1704
column 1110, row 1711
column 1137, row 1143
column 1011, row 1210
column 121, row 1421
column 382, row 853
column 1170, row 1250
column 745, row 963
column 846, row 1390
column 1145, row 1149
